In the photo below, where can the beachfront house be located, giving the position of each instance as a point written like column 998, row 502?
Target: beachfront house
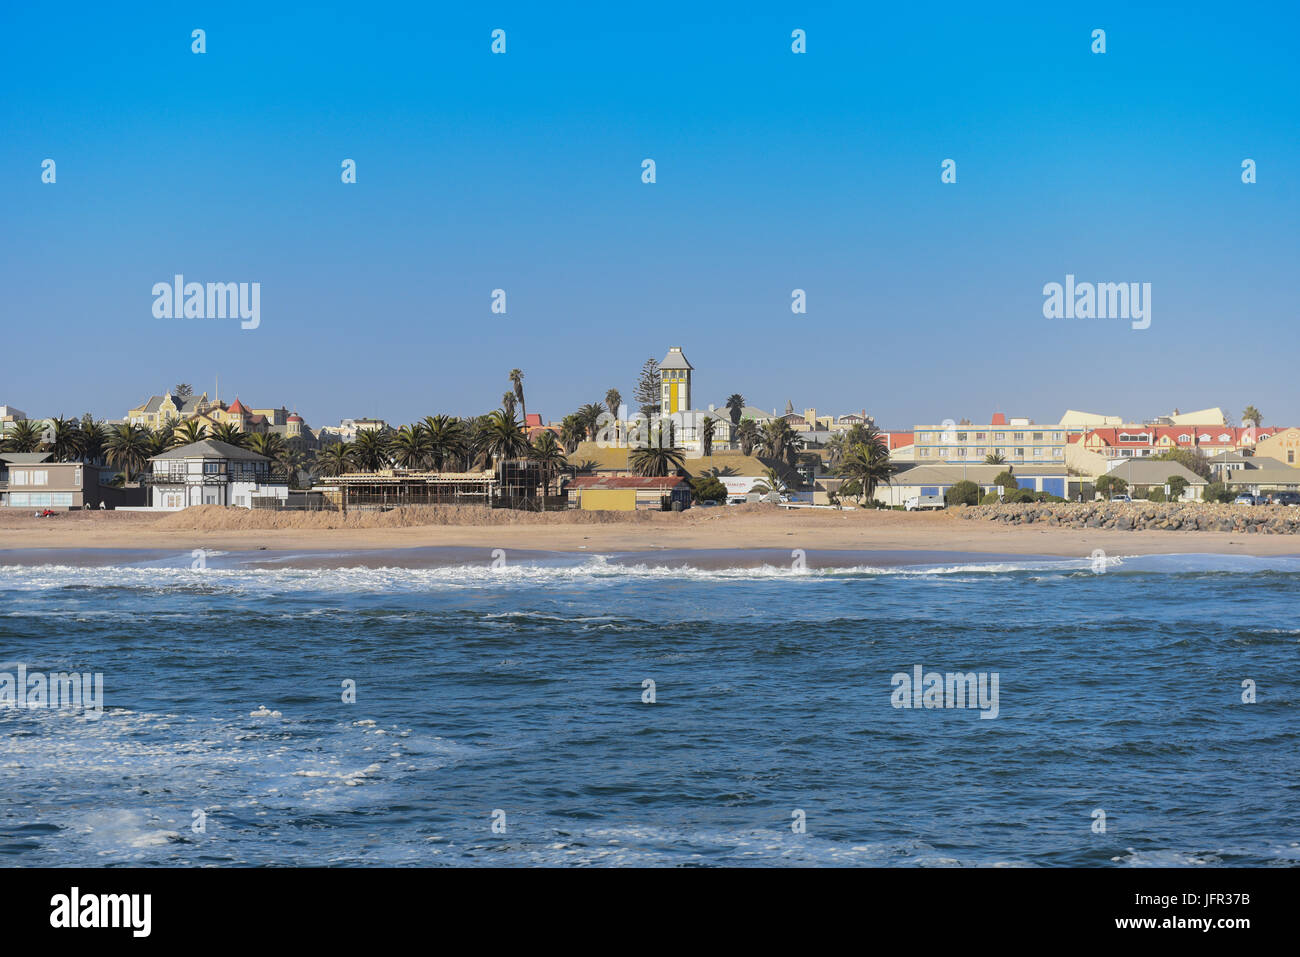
column 31, row 480
column 213, row 473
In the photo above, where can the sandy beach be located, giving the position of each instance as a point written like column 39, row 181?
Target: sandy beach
column 741, row 527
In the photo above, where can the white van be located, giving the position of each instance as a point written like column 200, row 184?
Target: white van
column 921, row 502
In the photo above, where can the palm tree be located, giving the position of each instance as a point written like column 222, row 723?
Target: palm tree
column 270, row 444
column 188, row 432
column 706, row 435
column 127, row 448
column 590, row 415
column 448, row 440
column 613, row 399
column 509, row 403
column 517, row 378
column 735, row 405
column 747, row 435
column 501, row 438
column 92, row 438
column 24, row 437
column 370, row 450
column 411, row 447
column 656, row 460
column 157, row 441
column 778, row 441
column 66, row 442
column 334, row 459
column 995, row 458
column 572, row 431
column 1252, row 415
column 549, row 455
column 867, row 463
column 231, row 434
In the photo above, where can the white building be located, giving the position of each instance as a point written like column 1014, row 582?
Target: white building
column 212, row 473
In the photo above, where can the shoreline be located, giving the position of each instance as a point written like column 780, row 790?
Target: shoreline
column 752, row 529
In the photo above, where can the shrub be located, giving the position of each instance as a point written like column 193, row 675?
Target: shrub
column 1216, row 492
column 707, row 488
column 1177, row 486
column 1006, row 480
column 962, row 493
column 990, row 499
column 1155, row 495
column 1019, row 496
column 1047, row 497
column 1108, row 485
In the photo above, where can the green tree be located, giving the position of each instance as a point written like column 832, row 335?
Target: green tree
column 188, row 432
column 1177, row 486
column 867, row 462
column 501, row 439
column 613, row 399
column 548, row 453
column 778, row 441
column 127, row 449
column 747, row 436
column 995, row 458
column 963, row 493
column 517, row 380
column 1216, row 492
column 370, row 450
column 1006, row 480
column 572, row 432
column 706, row 435
column 707, row 488
column 334, row 459
column 590, row 415
column 1108, row 485
column 1252, row 415
column 735, row 407
column 231, row 434
column 411, row 448
column 25, row 436
column 449, row 440
column 270, row 444
column 1193, row 460
column 647, row 393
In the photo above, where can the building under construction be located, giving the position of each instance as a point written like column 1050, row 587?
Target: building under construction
column 513, row 485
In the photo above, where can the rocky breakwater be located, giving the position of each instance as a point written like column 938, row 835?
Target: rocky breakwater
column 1136, row 516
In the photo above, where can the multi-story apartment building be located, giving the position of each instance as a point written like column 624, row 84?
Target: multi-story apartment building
column 1017, row 441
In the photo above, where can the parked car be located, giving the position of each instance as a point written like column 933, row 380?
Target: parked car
column 921, row 503
column 1121, row 498
column 1245, row 498
column 1284, row 498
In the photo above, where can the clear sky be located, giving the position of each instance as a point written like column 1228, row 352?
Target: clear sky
column 775, row 171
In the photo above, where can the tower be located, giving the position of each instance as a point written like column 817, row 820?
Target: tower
column 674, row 382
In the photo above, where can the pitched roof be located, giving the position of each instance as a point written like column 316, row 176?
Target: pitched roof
column 675, row 360
column 212, row 449
column 238, row 408
column 24, row 458
column 1152, row 472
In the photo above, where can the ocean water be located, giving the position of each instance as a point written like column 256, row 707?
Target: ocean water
column 514, row 695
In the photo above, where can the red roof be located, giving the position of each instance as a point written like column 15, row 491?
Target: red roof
column 1219, row 436
column 238, row 408
column 999, row 418
column 294, row 418
column 663, row 482
column 532, row 419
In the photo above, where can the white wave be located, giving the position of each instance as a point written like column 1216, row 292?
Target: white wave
column 591, row 569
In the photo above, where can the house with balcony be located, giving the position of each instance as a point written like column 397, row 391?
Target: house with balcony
column 210, row 472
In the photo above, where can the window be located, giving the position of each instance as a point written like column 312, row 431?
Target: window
column 1038, row 452
column 1290, row 457
column 212, row 468
column 1020, row 453
column 1000, row 437
column 18, row 477
column 40, row 477
column 1020, row 437
column 961, row 436
column 981, row 436
column 1038, row 436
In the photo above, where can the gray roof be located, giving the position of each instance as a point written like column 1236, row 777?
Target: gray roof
column 981, row 474
column 24, row 458
column 675, row 360
column 1266, row 475
column 189, row 405
column 1152, row 472
column 212, row 449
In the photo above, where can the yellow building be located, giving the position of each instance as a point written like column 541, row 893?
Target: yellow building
column 1283, row 446
column 674, row 382
column 160, row 410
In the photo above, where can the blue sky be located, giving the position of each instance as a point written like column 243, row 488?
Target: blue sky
column 775, row 171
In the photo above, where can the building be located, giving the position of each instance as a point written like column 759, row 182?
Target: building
column 347, row 429
column 628, row 493
column 937, row 479
column 1144, row 474
column 161, row 410
column 674, row 382
column 210, row 472
column 9, row 417
column 1018, row 441
column 1282, row 446
column 30, row 480
column 1143, row 441
column 1270, row 477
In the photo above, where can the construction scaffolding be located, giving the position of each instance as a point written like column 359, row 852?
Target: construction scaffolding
column 514, row 485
